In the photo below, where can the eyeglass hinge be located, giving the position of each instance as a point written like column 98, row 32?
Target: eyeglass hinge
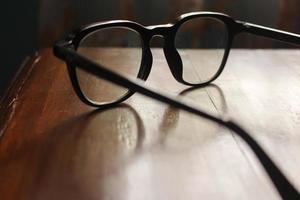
column 242, row 25
column 65, row 43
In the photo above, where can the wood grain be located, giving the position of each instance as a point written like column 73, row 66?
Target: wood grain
column 55, row 147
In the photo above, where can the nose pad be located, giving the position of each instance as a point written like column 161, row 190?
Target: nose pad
column 174, row 60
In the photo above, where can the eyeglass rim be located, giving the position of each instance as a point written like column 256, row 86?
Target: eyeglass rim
column 146, row 33
column 85, row 98
column 172, row 55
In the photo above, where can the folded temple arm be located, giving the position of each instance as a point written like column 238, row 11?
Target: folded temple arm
column 275, row 34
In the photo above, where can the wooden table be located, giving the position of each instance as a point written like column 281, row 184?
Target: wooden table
column 55, row 147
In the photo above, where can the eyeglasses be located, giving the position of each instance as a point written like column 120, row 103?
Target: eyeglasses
column 196, row 47
column 91, row 53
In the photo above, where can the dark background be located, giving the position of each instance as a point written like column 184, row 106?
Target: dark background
column 30, row 25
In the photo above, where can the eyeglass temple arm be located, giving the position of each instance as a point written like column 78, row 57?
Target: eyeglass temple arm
column 283, row 186
column 275, row 34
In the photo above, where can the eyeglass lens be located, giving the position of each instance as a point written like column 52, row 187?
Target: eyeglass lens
column 201, row 43
column 117, row 48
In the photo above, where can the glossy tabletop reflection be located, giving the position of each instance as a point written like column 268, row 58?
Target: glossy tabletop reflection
column 53, row 146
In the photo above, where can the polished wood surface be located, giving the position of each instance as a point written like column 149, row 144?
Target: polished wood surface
column 55, row 147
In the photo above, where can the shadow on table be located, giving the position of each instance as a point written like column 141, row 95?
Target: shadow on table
column 83, row 155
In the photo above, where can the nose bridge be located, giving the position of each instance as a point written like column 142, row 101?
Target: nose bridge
column 159, row 30
column 172, row 56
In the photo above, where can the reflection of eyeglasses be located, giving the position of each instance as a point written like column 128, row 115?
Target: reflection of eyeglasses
column 95, row 63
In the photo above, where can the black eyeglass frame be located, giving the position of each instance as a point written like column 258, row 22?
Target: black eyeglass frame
column 65, row 50
column 168, row 31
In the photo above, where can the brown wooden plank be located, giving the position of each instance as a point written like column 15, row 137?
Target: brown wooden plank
column 10, row 98
column 55, row 147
